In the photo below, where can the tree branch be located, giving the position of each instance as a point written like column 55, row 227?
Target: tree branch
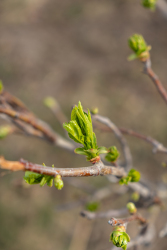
column 148, row 71
column 157, row 146
column 117, row 222
column 12, row 108
column 109, row 213
column 95, row 170
column 118, row 134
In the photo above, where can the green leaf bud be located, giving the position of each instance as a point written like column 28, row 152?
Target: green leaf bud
column 95, row 111
column 50, row 102
column 134, row 175
column 150, row 4
column 135, row 196
column 1, row 86
column 119, row 237
column 33, row 178
column 81, row 131
column 131, row 208
column 113, row 154
column 58, row 182
column 4, row 131
column 92, row 206
column 139, row 46
column 102, row 150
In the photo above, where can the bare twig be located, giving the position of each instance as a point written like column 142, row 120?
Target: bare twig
column 15, row 111
column 118, row 134
column 95, row 170
column 163, row 232
column 148, row 71
column 157, row 146
column 106, row 214
column 118, row 222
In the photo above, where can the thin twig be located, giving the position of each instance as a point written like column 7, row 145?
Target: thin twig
column 157, row 146
column 117, row 222
column 148, row 71
column 118, row 134
column 106, row 214
column 21, row 117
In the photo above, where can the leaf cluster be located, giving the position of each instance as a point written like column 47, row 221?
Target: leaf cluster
column 80, row 130
column 133, row 176
column 112, row 154
column 35, row 178
column 139, row 46
column 119, row 237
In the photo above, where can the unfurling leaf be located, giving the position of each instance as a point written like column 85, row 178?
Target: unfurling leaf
column 131, row 208
column 119, row 237
column 58, row 182
column 35, row 178
column 112, row 155
column 140, row 48
column 81, row 131
column 133, row 176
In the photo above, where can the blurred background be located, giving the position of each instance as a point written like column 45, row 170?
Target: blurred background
column 77, row 50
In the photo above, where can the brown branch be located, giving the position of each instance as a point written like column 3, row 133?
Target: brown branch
column 95, row 170
column 117, row 222
column 28, row 123
column 118, row 134
column 148, row 71
column 157, row 146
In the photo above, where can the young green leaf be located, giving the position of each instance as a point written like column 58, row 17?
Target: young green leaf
column 112, row 154
column 81, row 131
column 80, row 151
column 140, row 47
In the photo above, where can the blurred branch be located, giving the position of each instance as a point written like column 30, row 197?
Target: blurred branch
column 14, row 111
column 117, row 222
column 157, row 146
column 163, row 232
column 148, row 71
column 98, row 169
column 118, row 134
column 109, row 213
column 162, row 6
